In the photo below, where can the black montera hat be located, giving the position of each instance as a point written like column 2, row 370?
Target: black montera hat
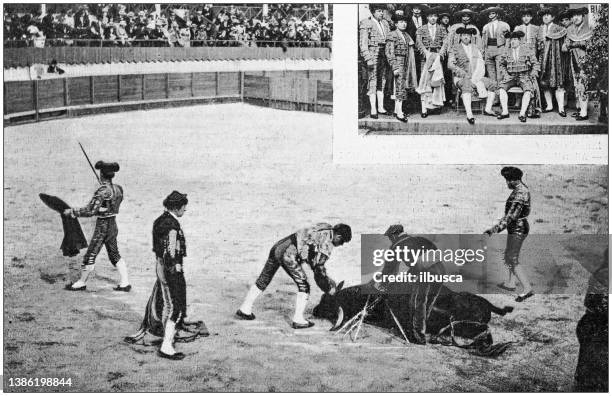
column 464, row 30
column 399, row 17
column 547, row 10
column 108, row 169
column 511, row 173
column 344, row 231
column 175, row 200
column 394, row 229
column 516, row 34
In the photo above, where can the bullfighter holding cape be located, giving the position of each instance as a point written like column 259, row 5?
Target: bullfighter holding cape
column 104, row 205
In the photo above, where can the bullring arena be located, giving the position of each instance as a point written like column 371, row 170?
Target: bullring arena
column 254, row 174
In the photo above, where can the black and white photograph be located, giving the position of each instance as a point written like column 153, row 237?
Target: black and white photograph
column 483, row 68
column 177, row 218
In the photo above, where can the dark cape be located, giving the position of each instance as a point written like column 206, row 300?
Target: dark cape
column 153, row 323
column 74, row 239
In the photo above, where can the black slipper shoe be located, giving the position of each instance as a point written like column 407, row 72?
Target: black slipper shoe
column 562, row 114
column 522, row 118
column 503, row 116
column 471, row 121
column 176, row 356
column 69, row 287
column 242, row 315
column 123, row 288
column 503, row 286
column 523, row 297
column 296, row 325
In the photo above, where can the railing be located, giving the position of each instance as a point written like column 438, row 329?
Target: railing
column 131, row 42
column 36, row 100
column 23, row 57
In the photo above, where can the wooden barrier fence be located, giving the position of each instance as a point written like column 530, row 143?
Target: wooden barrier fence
column 23, row 57
column 39, row 99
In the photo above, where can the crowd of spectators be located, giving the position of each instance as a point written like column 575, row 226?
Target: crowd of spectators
column 114, row 25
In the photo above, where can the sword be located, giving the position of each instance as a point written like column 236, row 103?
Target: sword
column 89, row 162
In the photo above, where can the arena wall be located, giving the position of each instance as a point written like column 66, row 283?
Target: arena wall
column 36, row 100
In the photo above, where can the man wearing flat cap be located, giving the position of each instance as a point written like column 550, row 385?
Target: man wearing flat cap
column 105, row 205
column 468, row 68
column 420, row 297
column 312, row 246
column 170, row 248
column 578, row 35
column 494, row 41
column 373, row 33
column 400, row 53
column 553, row 61
column 519, row 67
column 518, row 207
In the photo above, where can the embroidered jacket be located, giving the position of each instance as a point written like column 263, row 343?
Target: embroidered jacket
column 104, row 203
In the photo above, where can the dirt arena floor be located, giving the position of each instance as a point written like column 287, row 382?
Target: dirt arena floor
column 253, row 176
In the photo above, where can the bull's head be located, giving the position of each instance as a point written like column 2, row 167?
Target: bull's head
column 329, row 308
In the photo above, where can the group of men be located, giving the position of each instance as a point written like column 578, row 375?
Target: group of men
column 423, row 54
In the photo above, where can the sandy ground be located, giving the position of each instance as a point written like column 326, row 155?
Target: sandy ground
column 254, row 175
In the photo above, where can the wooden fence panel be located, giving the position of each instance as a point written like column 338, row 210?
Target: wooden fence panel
column 131, row 87
column 105, row 89
column 297, row 90
column 180, row 85
column 320, row 75
column 256, row 87
column 50, row 93
column 19, row 96
column 155, row 86
column 79, row 91
column 325, row 92
column 229, row 84
column 204, row 84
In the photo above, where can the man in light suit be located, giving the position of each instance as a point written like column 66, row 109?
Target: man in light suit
column 467, row 64
column 373, row 33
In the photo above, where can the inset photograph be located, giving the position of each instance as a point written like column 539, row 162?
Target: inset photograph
column 483, row 69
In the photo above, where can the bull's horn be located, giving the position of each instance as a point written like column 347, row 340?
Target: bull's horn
column 339, row 320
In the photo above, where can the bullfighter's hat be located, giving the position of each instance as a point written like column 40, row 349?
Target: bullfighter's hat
column 175, row 200
column 511, row 173
column 464, row 30
column 107, row 168
column 489, row 10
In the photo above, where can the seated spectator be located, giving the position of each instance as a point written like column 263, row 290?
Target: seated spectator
column 53, row 68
